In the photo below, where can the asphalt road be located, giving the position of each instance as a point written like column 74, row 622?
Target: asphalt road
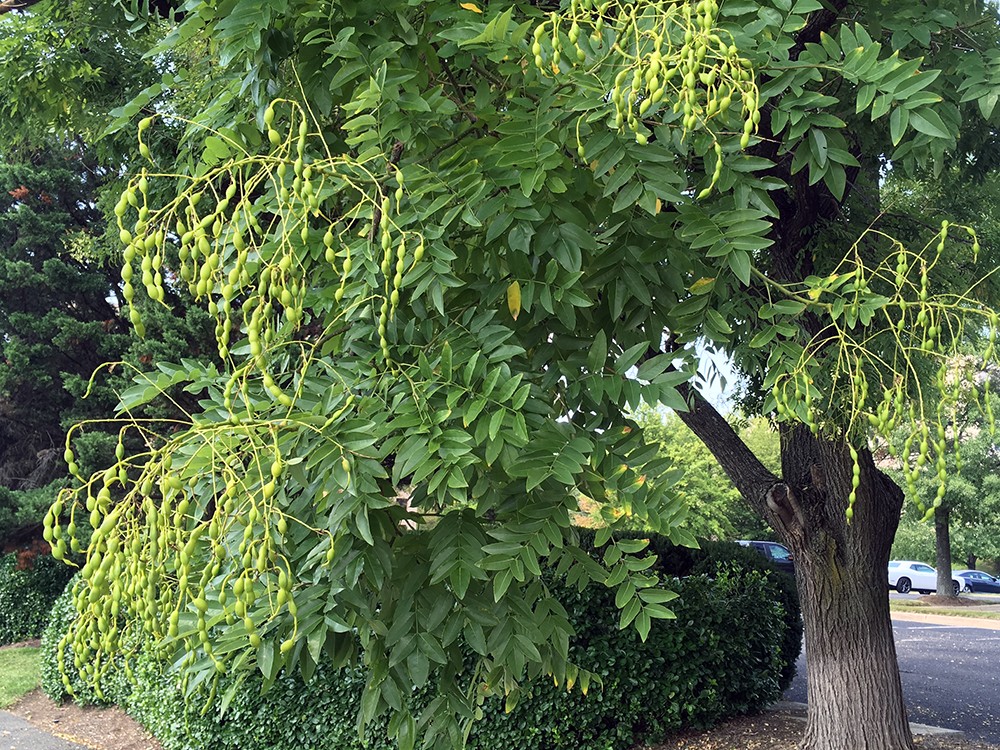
column 949, row 674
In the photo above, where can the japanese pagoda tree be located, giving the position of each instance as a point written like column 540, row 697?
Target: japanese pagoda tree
column 448, row 247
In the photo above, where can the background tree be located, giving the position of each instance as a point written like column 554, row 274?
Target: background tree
column 965, row 522
column 715, row 510
column 973, row 531
column 57, row 323
column 447, row 265
column 63, row 68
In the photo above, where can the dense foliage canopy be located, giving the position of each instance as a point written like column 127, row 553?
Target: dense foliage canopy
column 449, row 248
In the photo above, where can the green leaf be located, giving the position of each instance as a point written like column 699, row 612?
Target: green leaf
column 501, row 584
column 598, row 352
column 630, row 356
column 865, row 96
column 629, row 613
column 643, row 624
column 659, row 612
column 406, row 736
column 717, row 322
column 926, row 121
column 266, row 662
column 445, row 365
column 628, row 196
column 739, row 262
column 656, row 596
column 915, row 83
column 830, row 45
column 496, row 421
column 898, row 120
column 361, row 518
column 429, row 645
column 817, row 145
column 762, row 339
column 836, row 180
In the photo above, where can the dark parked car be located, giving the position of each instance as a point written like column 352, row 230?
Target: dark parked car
column 979, row 582
column 776, row 553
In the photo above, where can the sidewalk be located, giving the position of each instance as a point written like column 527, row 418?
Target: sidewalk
column 18, row 734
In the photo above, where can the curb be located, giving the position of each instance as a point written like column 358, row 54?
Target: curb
column 960, row 622
column 799, row 710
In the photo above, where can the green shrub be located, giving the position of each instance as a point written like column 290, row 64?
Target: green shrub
column 721, row 656
column 673, row 560
column 26, row 595
column 713, row 554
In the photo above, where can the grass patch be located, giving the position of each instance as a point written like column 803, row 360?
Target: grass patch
column 925, row 610
column 19, row 673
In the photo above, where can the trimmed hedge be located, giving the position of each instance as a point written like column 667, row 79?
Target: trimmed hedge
column 673, row 560
column 26, row 595
column 721, row 656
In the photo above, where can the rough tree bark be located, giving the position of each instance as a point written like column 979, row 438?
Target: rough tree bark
column 855, row 694
column 6, row 6
column 942, row 540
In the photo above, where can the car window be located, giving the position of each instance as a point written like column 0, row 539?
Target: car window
column 920, row 567
column 894, row 565
column 779, row 553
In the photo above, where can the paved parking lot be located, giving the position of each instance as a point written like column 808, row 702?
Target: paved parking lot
column 948, row 667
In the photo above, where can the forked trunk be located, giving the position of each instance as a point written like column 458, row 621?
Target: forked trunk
column 855, row 694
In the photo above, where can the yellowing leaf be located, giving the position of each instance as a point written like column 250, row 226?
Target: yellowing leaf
column 514, row 299
column 470, row 6
column 702, row 286
column 659, row 205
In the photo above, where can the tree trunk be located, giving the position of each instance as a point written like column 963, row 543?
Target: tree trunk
column 942, row 540
column 970, row 561
column 6, row 6
column 855, row 694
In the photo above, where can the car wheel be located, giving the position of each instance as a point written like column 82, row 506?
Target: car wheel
column 967, row 589
column 954, row 587
column 903, row 585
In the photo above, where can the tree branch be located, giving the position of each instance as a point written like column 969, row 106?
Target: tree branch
column 6, row 6
column 819, row 22
column 751, row 478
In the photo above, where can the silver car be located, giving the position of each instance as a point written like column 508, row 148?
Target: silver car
column 907, row 575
